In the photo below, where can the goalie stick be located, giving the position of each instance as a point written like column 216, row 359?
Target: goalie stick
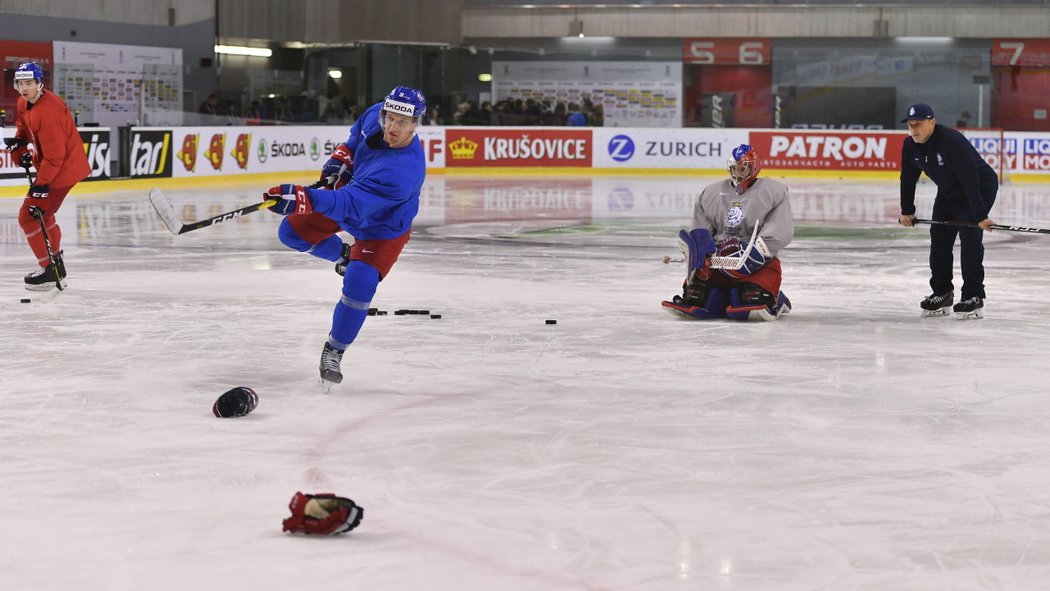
column 993, row 226
column 166, row 210
column 731, row 262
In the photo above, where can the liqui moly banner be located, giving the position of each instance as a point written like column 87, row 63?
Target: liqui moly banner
column 1034, row 154
column 517, row 147
column 829, row 150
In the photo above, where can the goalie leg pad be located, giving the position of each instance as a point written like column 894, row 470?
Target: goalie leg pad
column 322, row 514
column 746, row 298
column 702, row 301
column 748, row 301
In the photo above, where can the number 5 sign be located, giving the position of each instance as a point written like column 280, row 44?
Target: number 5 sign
column 723, row 51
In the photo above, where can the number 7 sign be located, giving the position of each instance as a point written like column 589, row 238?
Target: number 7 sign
column 1031, row 53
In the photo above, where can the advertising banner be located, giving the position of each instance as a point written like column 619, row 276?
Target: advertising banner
column 114, row 84
column 212, row 151
column 665, row 148
column 518, row 147
column 630, row 94
column 1034, row 156
column 150, row 153
column 96, row 145
column 433, row 140
column 829, row 150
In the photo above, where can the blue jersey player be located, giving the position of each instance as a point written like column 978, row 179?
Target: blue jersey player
column 376, row 176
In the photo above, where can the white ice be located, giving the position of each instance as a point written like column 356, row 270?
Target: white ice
column 849, row 445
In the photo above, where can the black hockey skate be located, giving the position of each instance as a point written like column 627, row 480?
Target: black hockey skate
column 969, row 308
column 344, row 260
column 937, row 305
column 331, row 373
column 43, row 279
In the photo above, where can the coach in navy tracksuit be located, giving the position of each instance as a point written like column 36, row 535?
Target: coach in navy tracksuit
column 966, row 189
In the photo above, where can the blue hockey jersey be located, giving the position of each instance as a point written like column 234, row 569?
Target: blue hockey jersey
column 383, row 198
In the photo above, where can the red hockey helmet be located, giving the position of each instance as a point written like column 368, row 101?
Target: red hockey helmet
column 744, row 167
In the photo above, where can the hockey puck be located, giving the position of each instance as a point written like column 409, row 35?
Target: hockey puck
column 424, row 311
column 400, row 312
column 381, row 313
column 26, row 300
column 552, row 322
column 435, row 316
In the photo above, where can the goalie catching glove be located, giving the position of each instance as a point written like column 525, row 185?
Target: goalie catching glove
column 322, row 514
column 290, row 199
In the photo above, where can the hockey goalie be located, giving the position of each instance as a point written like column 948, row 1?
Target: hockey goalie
column 739, row 226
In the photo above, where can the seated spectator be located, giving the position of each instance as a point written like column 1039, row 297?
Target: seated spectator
column 577, row 118
column 210, row 106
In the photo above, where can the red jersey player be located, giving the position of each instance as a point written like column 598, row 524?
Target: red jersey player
column 47, row 137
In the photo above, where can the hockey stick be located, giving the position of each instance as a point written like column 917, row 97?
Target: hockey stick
column 35, row 212
column 166, row 211
column 993, row 226
column 731, row 262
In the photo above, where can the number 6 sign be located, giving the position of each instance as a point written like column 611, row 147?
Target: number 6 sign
column 726, row 51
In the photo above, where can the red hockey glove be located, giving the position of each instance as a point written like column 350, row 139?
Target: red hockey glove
column 341, row 164
column 290, row 199
column 322, row 514
column 38, row 191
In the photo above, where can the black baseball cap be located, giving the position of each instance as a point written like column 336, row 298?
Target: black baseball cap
column 918, row 112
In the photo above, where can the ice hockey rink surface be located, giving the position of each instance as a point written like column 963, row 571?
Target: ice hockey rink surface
column 849, row 445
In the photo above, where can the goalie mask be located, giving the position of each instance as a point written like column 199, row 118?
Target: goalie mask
column 744, row 167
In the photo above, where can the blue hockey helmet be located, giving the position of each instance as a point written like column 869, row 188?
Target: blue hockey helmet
column 405, row 101
column 29, row 71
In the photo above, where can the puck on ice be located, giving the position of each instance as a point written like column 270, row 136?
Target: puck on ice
column 236, row 402
column 552, row 322
column 26, row 300
column 435, row 316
